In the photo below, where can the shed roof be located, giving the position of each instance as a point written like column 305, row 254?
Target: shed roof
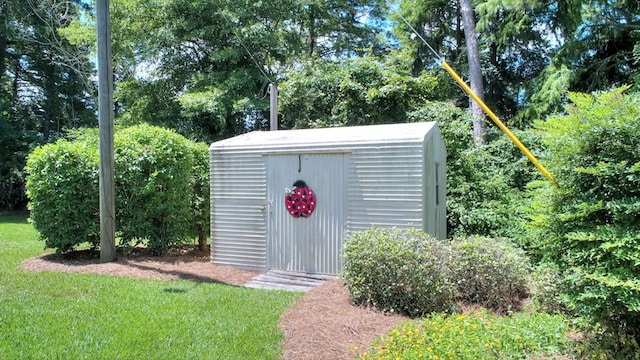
column 379, row 134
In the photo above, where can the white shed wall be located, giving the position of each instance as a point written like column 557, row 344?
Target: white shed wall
column 389, row 183
column 386, row 187
column 238, row 209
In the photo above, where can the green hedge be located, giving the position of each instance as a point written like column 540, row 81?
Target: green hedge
column 407, row 271
column 200, row 204
column 395, row 270
column 161, row 189
column 490, row 272
column 153, row 186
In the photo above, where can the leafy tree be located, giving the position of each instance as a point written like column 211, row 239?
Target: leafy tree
column 340, row 27
column 202, row 66
column 43, row 85
column 601, row 48
column 449, row 28
column 531, row 52
column 439, row 23
column 578, row 45
column 518, row 38
column 356, row 91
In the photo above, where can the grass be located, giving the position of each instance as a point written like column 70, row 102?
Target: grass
column 81, row 316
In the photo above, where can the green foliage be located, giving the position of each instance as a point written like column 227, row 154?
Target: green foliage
column 398, row 271
column 62, row 186
column 44, row 86
column 600, row 51
column 354, row 91
column 199, row 203
column 56, row 315
column 546, row 289
column 161, row 184
column 550, row 94
column 339, row 28
column 13, row 153
column 478, row 335
column 490, row 272
column 409, row 272
column 484, row 184
column 212, row 59
column 589, row 226
column 154, row 184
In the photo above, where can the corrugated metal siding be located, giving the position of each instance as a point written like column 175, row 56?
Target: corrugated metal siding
column 311, row 244
column 389, row 183
column 385, row 187
column 238, row 209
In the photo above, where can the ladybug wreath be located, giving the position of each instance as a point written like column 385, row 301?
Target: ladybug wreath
column 300, row 200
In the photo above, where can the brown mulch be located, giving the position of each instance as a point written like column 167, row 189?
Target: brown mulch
column 322, row 324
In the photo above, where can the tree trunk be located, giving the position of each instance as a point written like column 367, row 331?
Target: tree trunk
column 312, row 31
column 3, row 38
column 475, row 70
column 202, row 240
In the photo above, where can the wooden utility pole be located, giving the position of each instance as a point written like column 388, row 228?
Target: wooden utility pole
column 105, row 111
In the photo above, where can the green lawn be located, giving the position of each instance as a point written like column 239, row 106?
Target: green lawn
column 80, row 316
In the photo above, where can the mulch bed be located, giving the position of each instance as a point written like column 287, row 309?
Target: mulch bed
column 322, row 324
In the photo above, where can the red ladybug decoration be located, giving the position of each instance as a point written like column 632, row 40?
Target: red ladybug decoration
column 300, row 200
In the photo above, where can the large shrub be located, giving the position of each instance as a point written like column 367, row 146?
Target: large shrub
column 153, row 183
column 590, row 225
column 398, row 271
column 408, row 271
column 490, row 272
column 62, row 187
column 161, row 189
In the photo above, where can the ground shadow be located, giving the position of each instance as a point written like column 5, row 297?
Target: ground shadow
column 193, row 266
column 14, row 217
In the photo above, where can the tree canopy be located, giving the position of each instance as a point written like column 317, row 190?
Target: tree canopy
column 202, row 67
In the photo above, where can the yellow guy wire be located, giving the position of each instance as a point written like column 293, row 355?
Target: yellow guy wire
column 500, row 124
column 484, row 107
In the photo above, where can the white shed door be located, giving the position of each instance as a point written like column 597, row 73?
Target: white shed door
column 312, row 244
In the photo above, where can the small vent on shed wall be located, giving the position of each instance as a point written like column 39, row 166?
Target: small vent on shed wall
column 437, row 183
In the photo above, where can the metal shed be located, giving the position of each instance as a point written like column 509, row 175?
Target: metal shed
column 361, row 177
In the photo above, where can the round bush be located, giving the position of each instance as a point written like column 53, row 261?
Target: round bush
column 62, row 187
column 489, row 272
column 153, row 186
column 395, row 270
column 162, row 189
